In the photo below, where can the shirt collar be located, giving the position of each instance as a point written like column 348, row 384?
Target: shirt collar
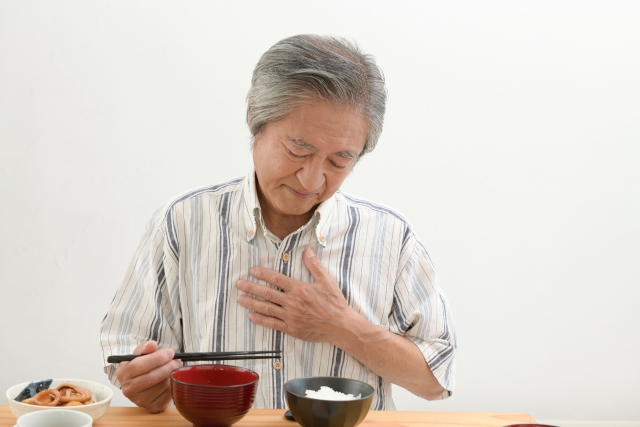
column 252, row 211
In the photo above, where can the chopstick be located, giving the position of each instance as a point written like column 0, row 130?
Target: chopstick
column 192, row 357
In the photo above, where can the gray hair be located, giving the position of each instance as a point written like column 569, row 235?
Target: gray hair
column 306, row 68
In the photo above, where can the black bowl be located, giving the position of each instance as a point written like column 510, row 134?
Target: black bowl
column 310, row 412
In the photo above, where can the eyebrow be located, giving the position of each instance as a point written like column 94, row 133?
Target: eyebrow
column 304, row 145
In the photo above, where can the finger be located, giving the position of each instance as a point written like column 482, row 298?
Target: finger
column 148, row 362
column 161, row 402
column 269, row 322
column 146, row 347
column 156, row 398
column 317, row 270
column 135, row 386
column 262, row 307
column 265, row 292
column 273, row 277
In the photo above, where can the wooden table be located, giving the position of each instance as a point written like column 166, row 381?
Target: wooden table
column 138, row 417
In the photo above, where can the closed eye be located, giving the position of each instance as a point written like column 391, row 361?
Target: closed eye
column 337, row 165
column 296, row 155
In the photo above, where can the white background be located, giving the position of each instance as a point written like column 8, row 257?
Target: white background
column 511, row 143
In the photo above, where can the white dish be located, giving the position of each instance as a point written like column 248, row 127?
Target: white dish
column 101, row 394
column 55, row 418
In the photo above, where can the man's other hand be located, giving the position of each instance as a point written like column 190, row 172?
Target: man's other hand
column 145, row 380
column 314, row 312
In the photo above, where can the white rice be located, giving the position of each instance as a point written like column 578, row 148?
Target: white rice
column 327, row 393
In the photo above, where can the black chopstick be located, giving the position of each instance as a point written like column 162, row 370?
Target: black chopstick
column 192, row 357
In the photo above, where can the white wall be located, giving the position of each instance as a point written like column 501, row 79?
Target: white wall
column 511, row 143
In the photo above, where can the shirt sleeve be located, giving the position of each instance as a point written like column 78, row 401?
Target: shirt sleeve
column 421, row 313
column 146, row 306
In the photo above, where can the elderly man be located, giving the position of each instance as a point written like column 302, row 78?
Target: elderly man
column 281, row 259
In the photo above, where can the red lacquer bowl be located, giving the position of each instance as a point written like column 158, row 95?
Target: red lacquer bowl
column 213, row 395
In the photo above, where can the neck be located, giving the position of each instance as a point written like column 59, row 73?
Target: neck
column 278, row 223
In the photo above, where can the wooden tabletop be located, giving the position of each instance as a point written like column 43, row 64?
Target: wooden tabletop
column 138, row 417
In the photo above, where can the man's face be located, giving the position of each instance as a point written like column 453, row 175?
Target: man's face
column 302, row 160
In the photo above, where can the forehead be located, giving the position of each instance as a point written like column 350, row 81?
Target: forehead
column 324, row 126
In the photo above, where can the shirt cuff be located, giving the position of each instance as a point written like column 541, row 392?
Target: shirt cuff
column 440, row 356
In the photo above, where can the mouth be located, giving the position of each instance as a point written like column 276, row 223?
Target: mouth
column 304, row 196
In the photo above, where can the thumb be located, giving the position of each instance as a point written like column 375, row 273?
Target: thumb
column 314, row 265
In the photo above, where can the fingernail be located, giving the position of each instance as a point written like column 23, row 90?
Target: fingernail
column 311, row 253
column 240, row 285
column 168, row 353
column 253, row 271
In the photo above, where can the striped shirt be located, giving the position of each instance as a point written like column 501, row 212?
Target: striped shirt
column 180, row 290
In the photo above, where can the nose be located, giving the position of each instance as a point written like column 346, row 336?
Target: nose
column 311, row 176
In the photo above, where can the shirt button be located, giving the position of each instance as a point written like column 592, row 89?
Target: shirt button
column 277, row 366
column 250, row 233
column 285, row 258
column 322, row 238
